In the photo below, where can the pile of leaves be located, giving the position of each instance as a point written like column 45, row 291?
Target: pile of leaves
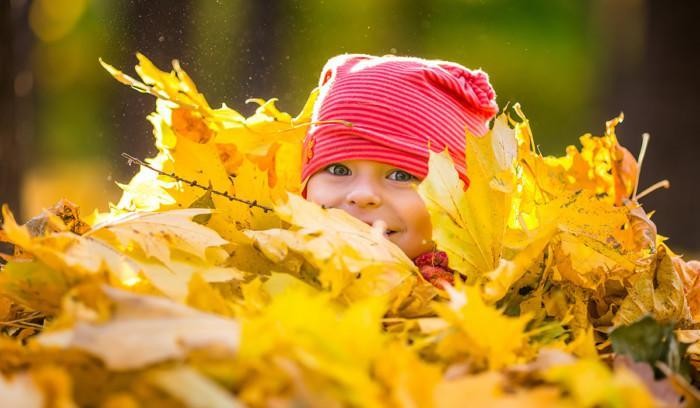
column 212, row 283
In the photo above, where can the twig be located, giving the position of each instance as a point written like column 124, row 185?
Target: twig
column 30, row 316
column 653, row 187
column 25, row 325
column 24, row 322
column 131, row 159
column 640, row 161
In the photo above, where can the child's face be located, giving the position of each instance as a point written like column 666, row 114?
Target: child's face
column 376, row 193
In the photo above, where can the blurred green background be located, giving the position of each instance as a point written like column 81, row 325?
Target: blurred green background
column 571, row 64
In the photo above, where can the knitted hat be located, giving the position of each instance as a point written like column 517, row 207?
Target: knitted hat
column 394, row 110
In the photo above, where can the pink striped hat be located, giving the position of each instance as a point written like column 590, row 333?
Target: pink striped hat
column 394, row 110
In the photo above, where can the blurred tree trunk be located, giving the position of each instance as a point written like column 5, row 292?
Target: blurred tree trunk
column 263, row 45
column 674, row 85
column 237, row 50
column 158, row 29
column 657, row 87
column 10, row 159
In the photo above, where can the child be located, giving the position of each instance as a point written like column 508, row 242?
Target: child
column 375, row 120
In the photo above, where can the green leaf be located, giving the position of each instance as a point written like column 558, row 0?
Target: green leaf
column 647, row 340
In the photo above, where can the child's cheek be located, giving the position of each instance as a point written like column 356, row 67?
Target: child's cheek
column 425, row 232
column 423, row 224
column 320, row 192
column 418, row 239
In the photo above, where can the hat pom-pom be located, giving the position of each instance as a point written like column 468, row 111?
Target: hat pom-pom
column 470, row 87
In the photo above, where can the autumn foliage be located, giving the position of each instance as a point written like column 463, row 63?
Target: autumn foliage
column 212, row 283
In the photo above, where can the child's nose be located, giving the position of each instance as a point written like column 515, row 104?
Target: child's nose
column 364, row 196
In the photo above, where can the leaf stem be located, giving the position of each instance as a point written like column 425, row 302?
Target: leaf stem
column 653, row 187
column 640, row 160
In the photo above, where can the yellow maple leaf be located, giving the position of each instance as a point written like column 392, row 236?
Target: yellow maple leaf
column 480, row 331
column 256, row 159
column 601, row 167
column 122, row 246
column 70, row 254
column 470, row 225
column 175, row 86
column 656, row 290
column 586, row 236
column 267, row 126
column 498, row 281
column 157, row 233
column 174, row 279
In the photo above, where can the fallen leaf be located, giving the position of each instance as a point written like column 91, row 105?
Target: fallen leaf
column 172, row 330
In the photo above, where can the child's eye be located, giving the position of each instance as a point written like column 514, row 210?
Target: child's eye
column 400, row 175
column 338, row 170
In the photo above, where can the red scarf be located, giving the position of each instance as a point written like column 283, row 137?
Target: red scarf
column 433, row 267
